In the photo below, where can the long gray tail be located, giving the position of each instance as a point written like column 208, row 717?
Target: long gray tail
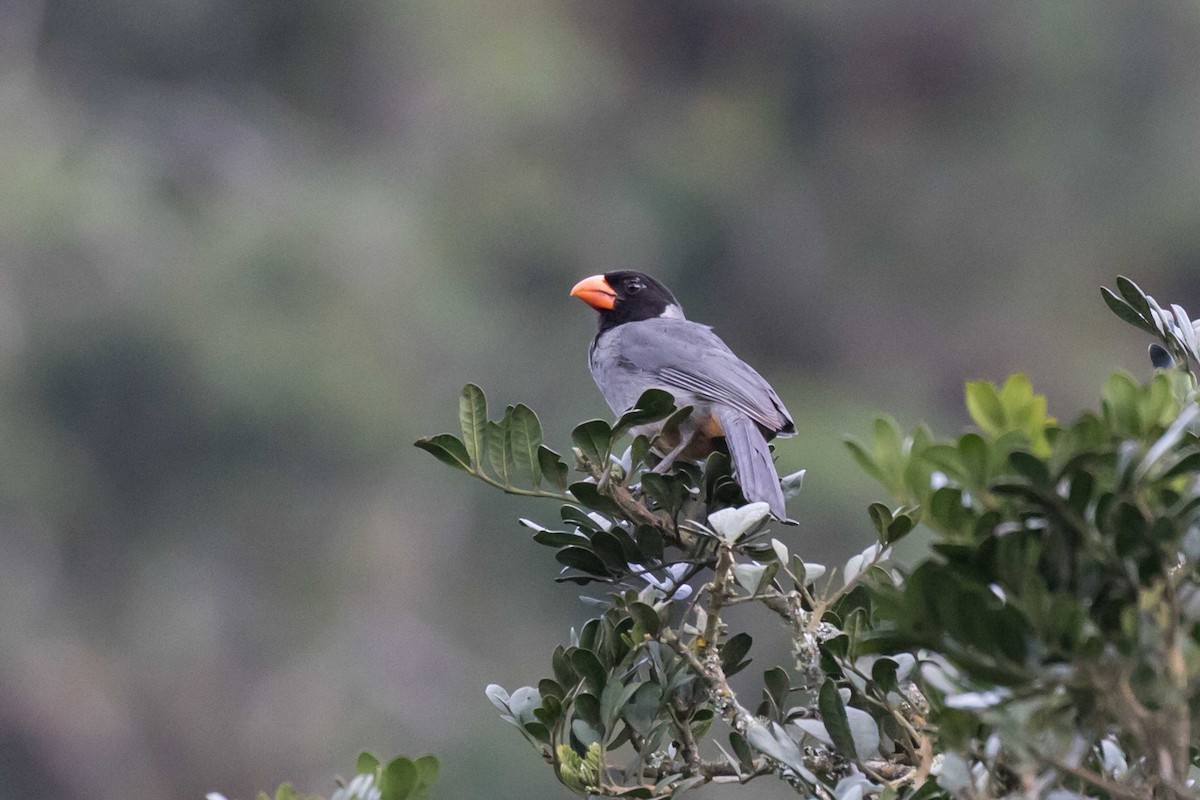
column 752, row 465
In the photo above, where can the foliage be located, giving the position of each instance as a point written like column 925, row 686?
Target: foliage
column 401, row 778
column 1047, row 643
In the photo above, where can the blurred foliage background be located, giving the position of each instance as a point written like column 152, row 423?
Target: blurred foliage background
column 250, row 251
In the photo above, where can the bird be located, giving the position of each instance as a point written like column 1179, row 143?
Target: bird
column 645, row 342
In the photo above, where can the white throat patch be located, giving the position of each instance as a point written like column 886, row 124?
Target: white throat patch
column 672, row 311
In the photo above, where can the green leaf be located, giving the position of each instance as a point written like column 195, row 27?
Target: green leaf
column 653, row 405
column 881, row 517
column 883, row 673
column 900, row 527
column 428, row 769
column 593, row 439
column 865, row 461
column 587, row 733
column 983, row 404
column 670, row 426
column 582, row 560
column 588, row 665
column 667, row 490
column 741, row 749
column 399, row 779
column 446, row 447
column 646, row 616
column 548, row 687
column 833, row 714
column 733, row 651
column 888, row 444
column 1119, row 399
column 525, row 434
column 1126, row 311
column 472, row 417
column 777, row 687
column 551, row 465
column 499, row 448
column 973, row 451
column 1134, row 296
column 641, row 711
column 608, row 548
column 1184, row 466
column 1030, row 467
column 650, row 541
column 564, row 673
column 639, row 451
column 590, row 496
column 366, row 764
column 613, row 700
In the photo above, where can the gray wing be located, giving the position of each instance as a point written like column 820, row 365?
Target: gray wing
column 688, row 359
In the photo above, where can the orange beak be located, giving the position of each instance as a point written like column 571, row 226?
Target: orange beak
column 596, row 292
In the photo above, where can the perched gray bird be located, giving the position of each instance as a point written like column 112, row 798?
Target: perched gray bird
column 645, row 342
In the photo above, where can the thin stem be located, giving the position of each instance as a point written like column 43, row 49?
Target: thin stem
column 508, row 488
column 1095, row 779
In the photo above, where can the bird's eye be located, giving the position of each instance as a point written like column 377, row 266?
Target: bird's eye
column 633, row 287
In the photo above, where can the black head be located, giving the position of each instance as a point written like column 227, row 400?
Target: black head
column 626, row 296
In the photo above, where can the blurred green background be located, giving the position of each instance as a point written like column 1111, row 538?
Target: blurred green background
column 249, row 251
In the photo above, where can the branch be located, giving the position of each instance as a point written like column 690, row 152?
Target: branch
column 1094, row 778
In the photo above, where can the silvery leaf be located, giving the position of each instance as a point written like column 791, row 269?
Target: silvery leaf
column 733, row 523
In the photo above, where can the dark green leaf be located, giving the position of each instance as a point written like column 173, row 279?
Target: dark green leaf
column 447, row 448
column 881, row 517
column 551, row 688
column 653, row 405
column 650, row 541
column 588, row 665
column 590, row 496
column 564, row 673
column 639, row 450
column 973, row 452
column 741, row 749
column 1188, row 464
column 578, row 516
column 559, row 539
column 1030, row 467
column 525, row 434
column 593, row 438
column 833, row 714
column 613, row 700
column 587, row 706
column 606, row 546
column 645, row 616
column 641, row 711
column 670, row 426
column 734, row 650
column 582, row 560
column 1134, row 296
column 552, row 466
column 898, row 529
column 667, row 490
column 538, row 731
column 777, row 687
column 883, row 673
